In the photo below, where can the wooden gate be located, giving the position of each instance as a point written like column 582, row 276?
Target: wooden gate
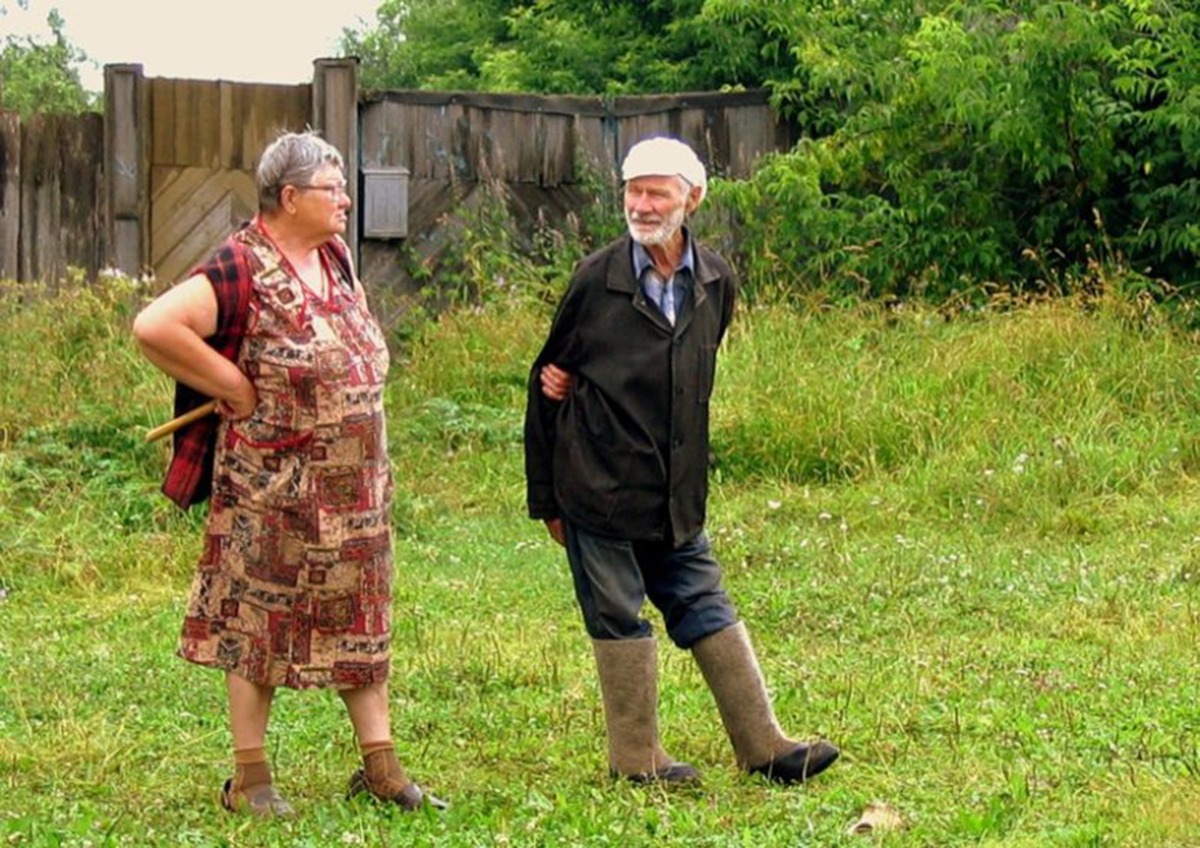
column 205, row 140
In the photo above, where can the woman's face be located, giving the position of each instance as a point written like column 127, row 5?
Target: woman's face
column 322, row 206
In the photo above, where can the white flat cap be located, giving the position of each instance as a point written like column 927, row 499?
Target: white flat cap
column 665, row 157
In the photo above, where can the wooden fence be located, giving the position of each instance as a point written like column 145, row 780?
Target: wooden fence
column 158, row 180
column 543, row 149
column 52, row 196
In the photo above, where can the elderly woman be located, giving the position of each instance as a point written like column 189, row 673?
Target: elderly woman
column 294, row 585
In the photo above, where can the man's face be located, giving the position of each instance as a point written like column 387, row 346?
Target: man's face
column 655, row 208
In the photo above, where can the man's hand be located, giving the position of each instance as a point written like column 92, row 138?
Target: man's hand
column 554, row 525
column 556, row 383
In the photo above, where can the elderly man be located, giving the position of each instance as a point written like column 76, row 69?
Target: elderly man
column 616, row 460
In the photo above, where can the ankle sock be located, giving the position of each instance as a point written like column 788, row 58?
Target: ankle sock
column 251, row 767
column 383, row 771
column 369, row 748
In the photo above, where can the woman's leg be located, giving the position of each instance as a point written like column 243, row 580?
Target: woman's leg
column 381, row 774
column 250, row 789
column 249, row 711
column 368, row 709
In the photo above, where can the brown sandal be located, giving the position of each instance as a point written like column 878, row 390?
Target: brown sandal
column 408, row 797
column 262, row 801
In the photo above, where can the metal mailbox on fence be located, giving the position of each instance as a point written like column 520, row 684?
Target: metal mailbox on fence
column 385, row 202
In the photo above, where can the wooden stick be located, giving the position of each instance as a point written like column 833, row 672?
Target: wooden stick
column 175, row 423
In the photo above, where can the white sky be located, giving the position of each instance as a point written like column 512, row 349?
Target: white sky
column 272, row 41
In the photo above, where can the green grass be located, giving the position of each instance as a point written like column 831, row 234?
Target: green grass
column 967, row 551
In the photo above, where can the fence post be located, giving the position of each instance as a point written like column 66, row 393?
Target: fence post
column 335, row 116
column 126, row 153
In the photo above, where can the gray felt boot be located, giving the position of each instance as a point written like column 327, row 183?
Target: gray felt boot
column 629, row 686
column 729, row 666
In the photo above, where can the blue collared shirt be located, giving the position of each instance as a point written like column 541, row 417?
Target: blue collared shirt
column 666, row 295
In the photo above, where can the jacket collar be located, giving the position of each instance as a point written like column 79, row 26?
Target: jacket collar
column 621, row 275
column 642, row 259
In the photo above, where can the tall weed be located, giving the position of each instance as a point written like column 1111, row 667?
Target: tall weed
column 75, row 400
column 1047, row 404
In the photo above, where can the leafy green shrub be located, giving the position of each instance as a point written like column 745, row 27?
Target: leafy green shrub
column 968, row 140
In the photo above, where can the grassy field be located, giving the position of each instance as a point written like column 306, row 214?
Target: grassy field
column 968, row 551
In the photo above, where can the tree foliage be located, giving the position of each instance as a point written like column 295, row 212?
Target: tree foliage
column 949, row 144
column 991, row 143
column 554, row 46
column 38, row 76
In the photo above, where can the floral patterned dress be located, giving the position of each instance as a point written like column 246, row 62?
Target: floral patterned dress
column 294, row 585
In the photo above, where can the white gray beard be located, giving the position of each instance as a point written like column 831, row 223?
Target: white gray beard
column 662, row 234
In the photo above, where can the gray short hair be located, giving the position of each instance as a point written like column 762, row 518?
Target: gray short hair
column 292, row 159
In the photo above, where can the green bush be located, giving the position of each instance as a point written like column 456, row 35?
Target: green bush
column 969, row 146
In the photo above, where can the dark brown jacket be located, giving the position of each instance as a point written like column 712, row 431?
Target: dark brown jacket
column 626, row 454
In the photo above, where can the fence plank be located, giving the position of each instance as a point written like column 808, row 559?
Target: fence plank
column 61, row 190
column 335, row 114
column 162, row 126
column 595, row 139
column 10, row 194
column 81, row 163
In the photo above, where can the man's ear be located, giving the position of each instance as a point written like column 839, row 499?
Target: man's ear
column 695, row 195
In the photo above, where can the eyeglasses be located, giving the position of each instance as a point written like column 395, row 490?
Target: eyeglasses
column 334, row 190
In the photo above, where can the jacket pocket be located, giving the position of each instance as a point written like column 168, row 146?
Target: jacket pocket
column 592, row 415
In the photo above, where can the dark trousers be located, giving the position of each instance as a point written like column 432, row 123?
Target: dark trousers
column 613, row 578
